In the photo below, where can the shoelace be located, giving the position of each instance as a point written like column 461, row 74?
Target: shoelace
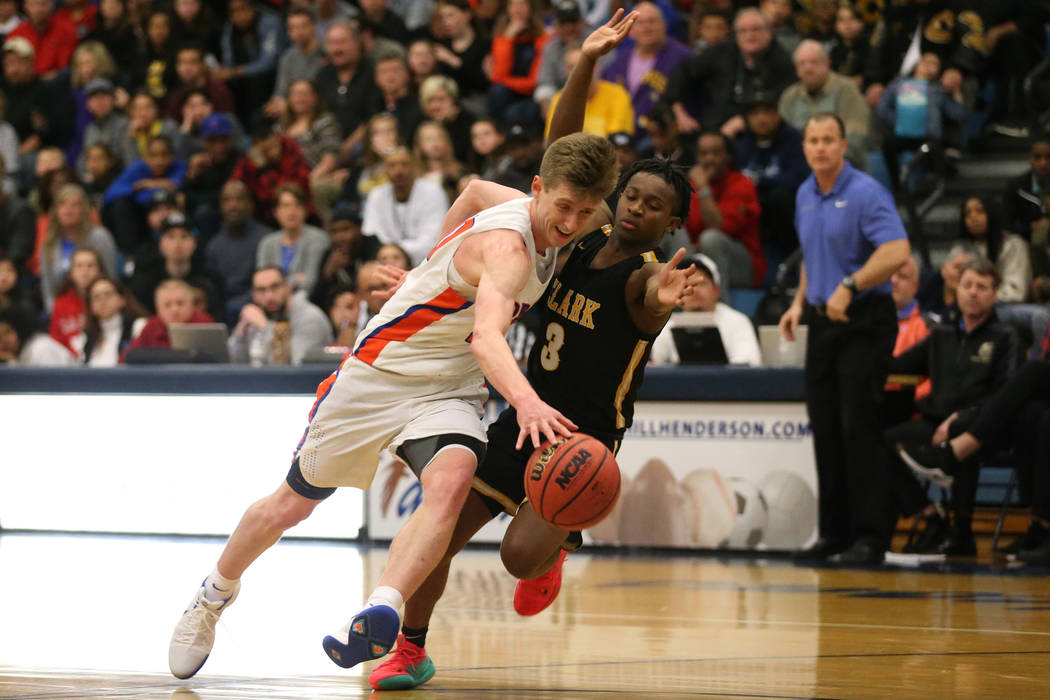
column 187, row 634
column 409, row 654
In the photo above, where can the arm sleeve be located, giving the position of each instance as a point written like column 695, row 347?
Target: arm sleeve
column 547, row 77
column 123, row 185
column 271, row 42
column 739, row 205
column 880, row 222
column 314, row 331
column 1015, row 269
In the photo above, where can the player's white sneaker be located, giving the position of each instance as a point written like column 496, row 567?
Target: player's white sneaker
column 194, row 635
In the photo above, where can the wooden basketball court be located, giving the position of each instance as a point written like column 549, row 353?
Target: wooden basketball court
column 86, row 616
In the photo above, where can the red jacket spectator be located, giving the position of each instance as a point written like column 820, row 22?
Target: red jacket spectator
column 268, row 165
column 155, row 333
column 737, row 200
column 54, row 46
column 67, row 318
column 83, row 17
column 503, row 50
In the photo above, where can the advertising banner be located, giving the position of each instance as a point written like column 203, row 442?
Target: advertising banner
column 694, row 475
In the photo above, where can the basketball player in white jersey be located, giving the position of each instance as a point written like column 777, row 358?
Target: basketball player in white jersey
column 414, row 385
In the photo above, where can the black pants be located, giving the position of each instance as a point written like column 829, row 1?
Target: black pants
column 846, row 366
column 907, row 496
column 993, row 424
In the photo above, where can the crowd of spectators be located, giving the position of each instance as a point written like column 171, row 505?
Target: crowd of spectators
column 252, row 161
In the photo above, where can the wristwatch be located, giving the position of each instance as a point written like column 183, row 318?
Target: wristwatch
column 849, row 283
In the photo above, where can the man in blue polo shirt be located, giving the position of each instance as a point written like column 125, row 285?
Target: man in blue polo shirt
column 852, row 242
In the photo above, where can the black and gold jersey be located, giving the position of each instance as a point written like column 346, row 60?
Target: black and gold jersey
column 589, row 357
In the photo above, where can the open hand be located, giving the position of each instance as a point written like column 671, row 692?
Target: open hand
column 608, row 36
column 674, row 286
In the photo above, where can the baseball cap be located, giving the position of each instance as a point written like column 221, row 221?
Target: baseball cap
column 704, row 264
column 216, row 125
column 761, row 97
column 522, row 131
column 567, row 11
column 176, row 219
column 21, row 46
column 621, row 139
column 162, row 197
column 98, row 85
column 348, row 211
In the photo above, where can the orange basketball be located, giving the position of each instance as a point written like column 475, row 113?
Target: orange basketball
column 573, row 483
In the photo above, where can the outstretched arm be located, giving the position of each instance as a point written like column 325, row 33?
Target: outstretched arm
column 656, row 289
column 568, row 114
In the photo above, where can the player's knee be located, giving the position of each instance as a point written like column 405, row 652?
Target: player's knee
column 519, row 561
column 449, row 489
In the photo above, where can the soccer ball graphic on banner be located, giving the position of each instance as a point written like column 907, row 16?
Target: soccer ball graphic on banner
column 792, row 510
column 751, row 514
column 715, row 507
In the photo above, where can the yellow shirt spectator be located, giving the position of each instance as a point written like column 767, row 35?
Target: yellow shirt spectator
column 608, row 110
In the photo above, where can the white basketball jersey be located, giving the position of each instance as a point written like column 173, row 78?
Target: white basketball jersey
column 425, row 328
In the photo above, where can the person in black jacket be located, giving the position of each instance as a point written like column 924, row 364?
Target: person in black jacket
column 710, row 90
column 966, row 362
column 770, row 153
column 1023, row 195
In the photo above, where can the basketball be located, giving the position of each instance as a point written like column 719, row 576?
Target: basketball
column 573, row 483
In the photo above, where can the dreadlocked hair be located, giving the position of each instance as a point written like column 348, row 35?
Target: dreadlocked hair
column 666, row 170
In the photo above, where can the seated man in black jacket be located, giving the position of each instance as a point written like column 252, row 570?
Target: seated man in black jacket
column 966, row 362
column 1023, row 196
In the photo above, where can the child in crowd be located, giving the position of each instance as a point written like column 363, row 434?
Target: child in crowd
column 709, row 28
column 914, row 110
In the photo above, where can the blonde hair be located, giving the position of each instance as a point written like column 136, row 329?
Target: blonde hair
column 585, row 162
column 54, row 231
column 437, row 82
column 105, row 66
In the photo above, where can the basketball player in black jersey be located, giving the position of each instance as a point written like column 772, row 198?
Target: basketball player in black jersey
column 605, row 306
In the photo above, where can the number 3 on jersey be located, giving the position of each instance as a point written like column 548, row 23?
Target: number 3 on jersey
column 549, row 358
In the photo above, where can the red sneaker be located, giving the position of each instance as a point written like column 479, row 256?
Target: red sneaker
column 533, row 595
column 406, row 668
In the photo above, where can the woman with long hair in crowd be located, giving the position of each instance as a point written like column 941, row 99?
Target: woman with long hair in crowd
column 156, row 72
column 422, row 61
column 461, row 50
column 517, row 46
column 313, row 127
column 980, row 221
column 433, row 151
column 71, row 225
column 114, row 30
column 381, row 137
column 114, row 318
column 68, row 313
